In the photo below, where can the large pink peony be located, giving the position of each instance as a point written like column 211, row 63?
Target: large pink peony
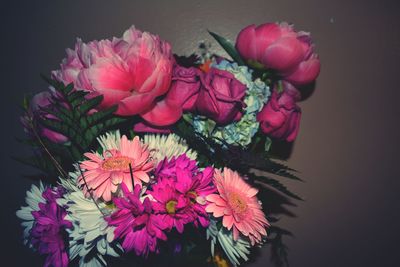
column 132, row 72
column 280, row 48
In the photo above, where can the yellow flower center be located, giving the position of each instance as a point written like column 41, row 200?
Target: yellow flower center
column 170, row 206
column 237, row 203
column 110, row 206
column 116, row 163
column 192, row 196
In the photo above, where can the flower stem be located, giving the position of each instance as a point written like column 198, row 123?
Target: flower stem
column 89, row 190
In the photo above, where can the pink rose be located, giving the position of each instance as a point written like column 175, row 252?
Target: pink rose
column 280, row 117
column 131, row 72
column 181, row 96
column 185, row 87
column 38, row 102
column 280, row 48
column 221, row 96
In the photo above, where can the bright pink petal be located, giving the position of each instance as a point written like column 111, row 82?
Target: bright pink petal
column 306, row 72
column 266, row 34
column 283, row 55
column 162, row 114
column 246, row 44
column 111, row 73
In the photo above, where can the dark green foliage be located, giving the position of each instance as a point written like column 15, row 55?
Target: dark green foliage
column 74, row 116
column 267, row 181
column 237, row 158
column 279, row 251
column 228, row 47
column 75, row 120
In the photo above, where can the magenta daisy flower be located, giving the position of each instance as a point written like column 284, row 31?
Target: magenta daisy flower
column 48, row 234
column 237, row 204
column 196, row 186
column 167, row 168
column 136, row 223
column 104, row 173
column 170, row 205
column 181, row 190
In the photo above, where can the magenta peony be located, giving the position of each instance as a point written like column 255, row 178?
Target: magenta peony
column 37, row 104
column 280, row 117
column 135, row 222
column 132, row 72
column 280, row 48
column 221, row 96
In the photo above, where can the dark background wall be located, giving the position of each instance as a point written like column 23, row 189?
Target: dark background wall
column 347, row 146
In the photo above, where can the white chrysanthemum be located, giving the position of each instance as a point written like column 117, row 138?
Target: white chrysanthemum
column 167, row 146
column 234, row 250
column 91, row 237
column 111, row 140
column 33, row 198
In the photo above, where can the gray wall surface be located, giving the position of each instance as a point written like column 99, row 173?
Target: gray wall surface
column 347, row 146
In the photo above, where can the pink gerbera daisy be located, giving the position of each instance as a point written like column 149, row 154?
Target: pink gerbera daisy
column 238, row 206
column 103, row 173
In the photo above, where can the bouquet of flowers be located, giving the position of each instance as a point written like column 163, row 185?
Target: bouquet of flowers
column 144, row 151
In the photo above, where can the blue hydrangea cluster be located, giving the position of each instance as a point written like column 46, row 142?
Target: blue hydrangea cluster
column 242, row 131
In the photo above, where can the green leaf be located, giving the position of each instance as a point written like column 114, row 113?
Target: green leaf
column 264, row 180
column 267, row 144
column 90, row 104
column 70, row 117
column 228, row 47
column 279, row 251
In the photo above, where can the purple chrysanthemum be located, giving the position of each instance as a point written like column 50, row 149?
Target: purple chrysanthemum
column 48, row 232
column 180, row 192
column 136, row 223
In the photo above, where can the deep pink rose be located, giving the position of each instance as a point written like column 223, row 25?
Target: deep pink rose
column 280, row 117
column 181, row 96
column 38, row 102
column 185, row 87
column 221, row 96
column 279, row 47
column 132, row 72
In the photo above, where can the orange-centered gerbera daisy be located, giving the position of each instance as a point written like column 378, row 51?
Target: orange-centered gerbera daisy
column 104, row 173
column 237, row 204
